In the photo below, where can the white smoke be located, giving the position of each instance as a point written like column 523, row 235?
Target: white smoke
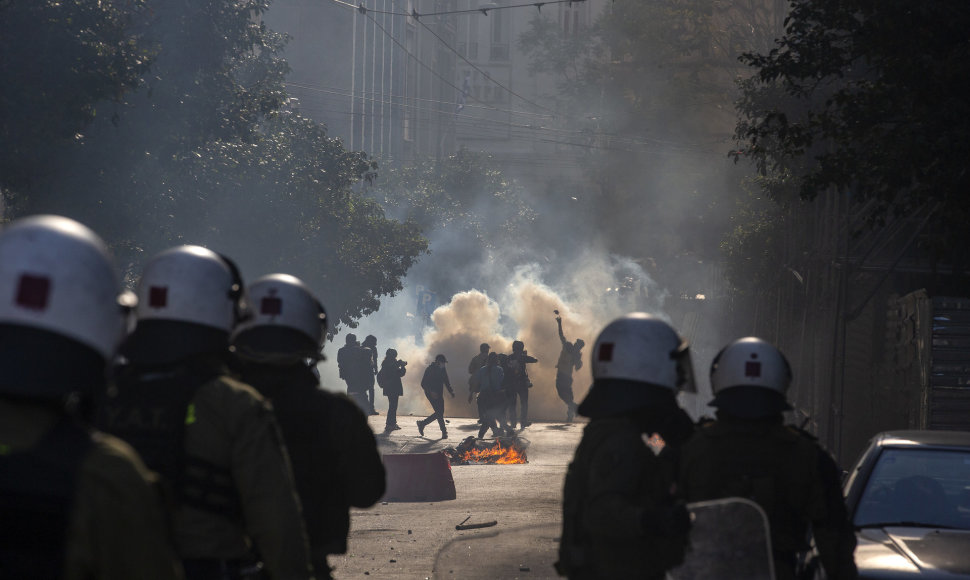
column 519, row 307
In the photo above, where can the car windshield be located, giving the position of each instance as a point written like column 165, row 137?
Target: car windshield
column 917, row 487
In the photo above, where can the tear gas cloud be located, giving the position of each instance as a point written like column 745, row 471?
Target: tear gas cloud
column 520, row 309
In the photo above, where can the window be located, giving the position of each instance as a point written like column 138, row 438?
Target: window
column 917, row 487
column 570, row 19
column 499, row 50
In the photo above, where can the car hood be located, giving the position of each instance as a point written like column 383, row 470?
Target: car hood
column 907, row 552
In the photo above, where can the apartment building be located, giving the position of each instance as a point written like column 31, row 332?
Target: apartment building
column 378, row 76
column 401, row 79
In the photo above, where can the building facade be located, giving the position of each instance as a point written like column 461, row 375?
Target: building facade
column 407, row 79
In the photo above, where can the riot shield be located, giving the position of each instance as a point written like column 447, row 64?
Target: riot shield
column 729, row 539
column 489, row 551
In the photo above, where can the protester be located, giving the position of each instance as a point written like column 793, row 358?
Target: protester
column 434, row 381
column 370, row 343
column 519, row 383
column 570, row 357
column 354, row 367
column 477, row 362
column 389, row 379
column 491, row 397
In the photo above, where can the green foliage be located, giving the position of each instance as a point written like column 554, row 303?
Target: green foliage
column 646, row 82
column 641, row 61
column 285, row 199
column 752, row 247
column 658, row 52
column 569, row 58
column 219, row 69
column 867, row 98
column 207, row 152
column 58, row 61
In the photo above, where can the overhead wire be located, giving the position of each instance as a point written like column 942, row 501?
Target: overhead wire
column 366, row 12
column 350, row 93
column 538, row 159
column 644, row 142
column 416, row 59
column 485, row 128
column 484, row 11
column 485, row 74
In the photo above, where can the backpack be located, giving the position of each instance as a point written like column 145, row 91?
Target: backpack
column 382, row 376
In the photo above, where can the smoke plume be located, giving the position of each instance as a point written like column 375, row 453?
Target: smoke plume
column 521, row 308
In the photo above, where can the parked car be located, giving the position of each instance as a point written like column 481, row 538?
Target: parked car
column 908, row 495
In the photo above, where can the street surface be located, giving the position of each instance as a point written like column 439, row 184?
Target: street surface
column 419, row 539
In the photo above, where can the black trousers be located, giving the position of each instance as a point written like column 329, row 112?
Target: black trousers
column 438, row 405
column 391, row 410
column 521, row 394
column 564, row 388
column 491, row 408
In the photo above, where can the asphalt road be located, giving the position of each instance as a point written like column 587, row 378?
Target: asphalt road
column 415, row 539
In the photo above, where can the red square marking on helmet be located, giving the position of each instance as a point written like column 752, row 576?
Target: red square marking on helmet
column 271, row 306
column 33, row 292
column 752, row 369
column 606, row 352
column 158, row 296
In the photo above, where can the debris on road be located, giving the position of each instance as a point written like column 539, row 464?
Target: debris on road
column 464, row 526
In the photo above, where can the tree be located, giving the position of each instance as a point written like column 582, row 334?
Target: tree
column 284, row 202
column 59, row 62
column 650, row 85
column 209, row 152
column 868, row 99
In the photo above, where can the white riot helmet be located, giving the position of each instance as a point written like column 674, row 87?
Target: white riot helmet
column 642, row 348
column 192, row 284
column 283, row 302
column 56, row 275
column 750, row 362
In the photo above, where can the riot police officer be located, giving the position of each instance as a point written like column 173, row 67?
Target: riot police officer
column 75, row 504
column 748, row 452
column 620, row 515
column 213, row 438
column 332, row 449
